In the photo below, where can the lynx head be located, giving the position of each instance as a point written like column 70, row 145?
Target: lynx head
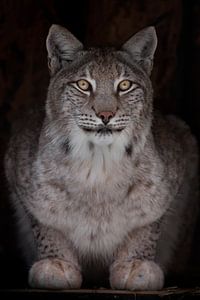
column 102, row 96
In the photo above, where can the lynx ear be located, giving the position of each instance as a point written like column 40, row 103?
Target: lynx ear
column 61, row 47
column 142, row 47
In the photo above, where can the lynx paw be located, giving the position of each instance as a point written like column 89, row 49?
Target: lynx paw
column 53, row 273
column 136, row 275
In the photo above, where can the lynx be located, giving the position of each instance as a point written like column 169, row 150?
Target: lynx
column 103, row 185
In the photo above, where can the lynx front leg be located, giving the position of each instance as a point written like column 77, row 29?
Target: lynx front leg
column 134, row 267
column 57, row 267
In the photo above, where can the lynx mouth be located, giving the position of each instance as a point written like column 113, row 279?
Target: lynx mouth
column 102, row 130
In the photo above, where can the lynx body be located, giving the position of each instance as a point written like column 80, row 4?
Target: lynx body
column 98, row 179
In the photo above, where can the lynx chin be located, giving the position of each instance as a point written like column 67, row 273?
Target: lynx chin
column 104, row 187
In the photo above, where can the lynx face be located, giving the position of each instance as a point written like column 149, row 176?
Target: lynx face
column 100, row 95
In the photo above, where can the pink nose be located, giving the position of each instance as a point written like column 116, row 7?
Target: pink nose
column 106, row 116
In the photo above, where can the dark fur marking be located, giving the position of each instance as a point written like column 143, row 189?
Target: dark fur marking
column 91, row 146
column 66, row 146
column 129, row 149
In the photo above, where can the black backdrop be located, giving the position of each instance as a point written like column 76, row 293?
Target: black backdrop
column 24, row 74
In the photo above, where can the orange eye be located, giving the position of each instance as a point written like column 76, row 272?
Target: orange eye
column 124, row 85
column 84, row 85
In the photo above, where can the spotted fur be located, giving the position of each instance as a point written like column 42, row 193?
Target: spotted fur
column 92, row 196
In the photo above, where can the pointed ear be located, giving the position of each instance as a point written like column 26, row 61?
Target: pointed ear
column 61, row 47
column 142, row 47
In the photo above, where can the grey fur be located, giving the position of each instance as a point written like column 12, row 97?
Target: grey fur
column 119, row 197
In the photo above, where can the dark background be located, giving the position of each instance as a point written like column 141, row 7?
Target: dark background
column 24, row 75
